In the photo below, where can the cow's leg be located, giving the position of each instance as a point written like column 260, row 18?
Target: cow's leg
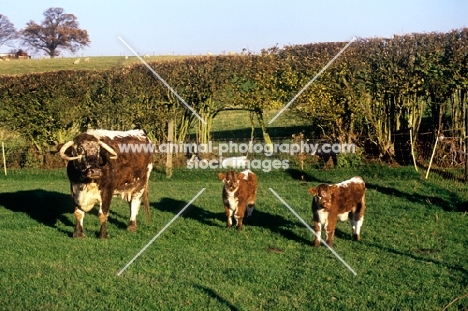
column 239, row 216
column 318, row 232
column 106, row 197
column 229, row 214
column 330, row 229
column 357, row 224
column 357, row 219
column 79, row 215
column 320, row 218
column 250, row 208
column 134, row 208
column 103, row 221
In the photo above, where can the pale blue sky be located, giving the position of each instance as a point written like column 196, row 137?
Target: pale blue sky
column 185, row 27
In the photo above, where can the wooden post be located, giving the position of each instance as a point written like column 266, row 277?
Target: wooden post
column 170, row 140
column 466, row 143
column 432, row 156
column 412, row 149
column 4, row 160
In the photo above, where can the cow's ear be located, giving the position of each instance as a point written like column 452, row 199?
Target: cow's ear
column 313, row 191
column 240, row 176
column 221, row 176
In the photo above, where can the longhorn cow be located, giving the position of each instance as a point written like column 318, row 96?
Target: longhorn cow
column 97, row 171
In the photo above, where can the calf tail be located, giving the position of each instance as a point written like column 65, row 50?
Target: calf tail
column 146, row 204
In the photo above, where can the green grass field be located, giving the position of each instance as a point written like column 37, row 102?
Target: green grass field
column 412, row 255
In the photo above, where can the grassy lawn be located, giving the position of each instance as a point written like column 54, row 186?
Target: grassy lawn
column 412, row 255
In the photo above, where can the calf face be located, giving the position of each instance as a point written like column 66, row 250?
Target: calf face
column 343, row 200
column 239, row 194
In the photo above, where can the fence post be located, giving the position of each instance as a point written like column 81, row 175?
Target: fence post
column 4, row 160
column 412, row 149
column 466, row 143
column 432, row 156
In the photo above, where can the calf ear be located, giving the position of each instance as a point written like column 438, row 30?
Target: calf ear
column 313, row 191
column 221, row 176
column 240, row 176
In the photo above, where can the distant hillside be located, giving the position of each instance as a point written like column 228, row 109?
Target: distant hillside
column 24, row 66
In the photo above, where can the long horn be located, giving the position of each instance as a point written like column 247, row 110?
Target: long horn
column 108, row 149
column 64, row 148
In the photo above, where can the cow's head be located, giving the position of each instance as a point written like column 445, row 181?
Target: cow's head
column 88, row 154
column 230, row 180
column 323, row 195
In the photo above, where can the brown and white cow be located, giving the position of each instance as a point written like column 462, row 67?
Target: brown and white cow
column 97, row 170
column 239, row 195
column 343, row 200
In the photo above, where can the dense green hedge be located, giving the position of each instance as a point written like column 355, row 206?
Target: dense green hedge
column 376, row 88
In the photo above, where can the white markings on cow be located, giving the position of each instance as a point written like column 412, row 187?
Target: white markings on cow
column 353, row 180
column 86, row 195
column 357, row 225
column 82, row 213
column 135, row 204
column 343, row 216
column 113, row 134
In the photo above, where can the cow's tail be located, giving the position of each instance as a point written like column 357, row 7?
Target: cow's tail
column 146, row 203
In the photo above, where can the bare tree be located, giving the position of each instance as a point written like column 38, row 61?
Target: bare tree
column 7, row 30
column 58, row 31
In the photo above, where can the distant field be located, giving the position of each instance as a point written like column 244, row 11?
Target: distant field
column 23, row 66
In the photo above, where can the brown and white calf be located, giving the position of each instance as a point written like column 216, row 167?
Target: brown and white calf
column 239, row 194
column 343, row 200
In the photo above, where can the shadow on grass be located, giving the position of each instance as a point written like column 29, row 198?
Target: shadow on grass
column 453, row 205
column 274, row 223
column 418, row 254
column 46, row 207
column 212, row 293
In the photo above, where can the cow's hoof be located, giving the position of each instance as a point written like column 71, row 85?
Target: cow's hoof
column 239, row 228
column 356, row 237
column 316, row 243
column 78, row 234
column 104, row 236
column 132, row 228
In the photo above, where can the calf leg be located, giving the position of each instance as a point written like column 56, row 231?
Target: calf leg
column 356, row 223
column 250, row 208
column 79, row 215
column 239, row 216
column 357, row 218
column 330, row 229
column 229, row 213
column 239, row 220
column 318, row 232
